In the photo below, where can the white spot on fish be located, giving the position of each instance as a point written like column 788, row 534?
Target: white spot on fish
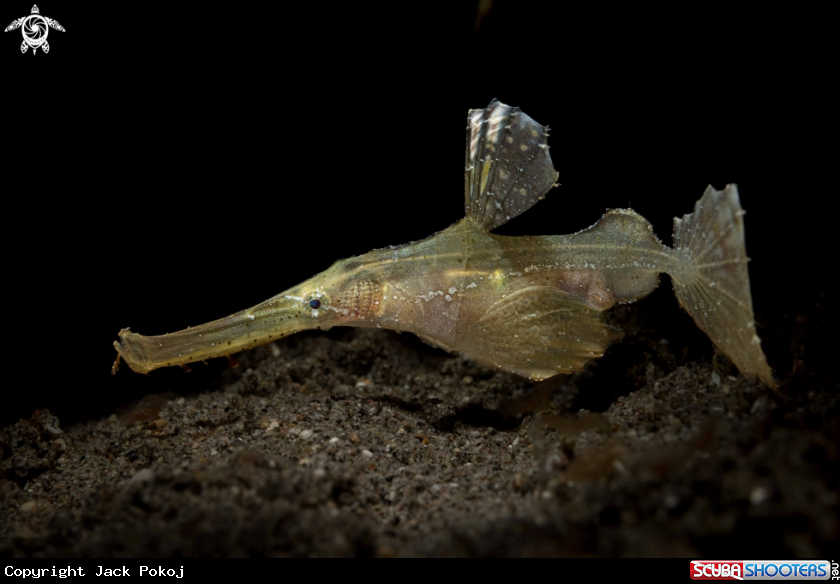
column 475, row 125
column 495, row 122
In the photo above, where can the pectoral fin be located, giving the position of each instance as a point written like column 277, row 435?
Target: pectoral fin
column 54, row 24
column 508, row 168
column 15, row 25
column 538, row 332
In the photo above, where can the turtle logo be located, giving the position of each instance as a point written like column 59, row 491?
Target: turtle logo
column 35, row 29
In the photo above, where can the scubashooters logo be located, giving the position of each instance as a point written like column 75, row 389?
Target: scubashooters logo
column 35, row 29
column 763, row 570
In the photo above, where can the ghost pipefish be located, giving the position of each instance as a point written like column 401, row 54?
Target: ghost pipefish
column 533, row 306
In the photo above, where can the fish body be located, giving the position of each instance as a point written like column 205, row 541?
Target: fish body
column 534, row 306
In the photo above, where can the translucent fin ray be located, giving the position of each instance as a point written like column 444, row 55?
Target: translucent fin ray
column 714, row 284
column 539, row 332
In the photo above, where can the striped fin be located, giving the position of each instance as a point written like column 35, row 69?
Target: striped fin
column 508, row 167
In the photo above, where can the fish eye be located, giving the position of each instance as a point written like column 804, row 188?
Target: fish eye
column 314, row 304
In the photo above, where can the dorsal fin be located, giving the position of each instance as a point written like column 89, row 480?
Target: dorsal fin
column 508, row 168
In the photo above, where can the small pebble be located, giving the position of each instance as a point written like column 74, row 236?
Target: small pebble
column 142, row 476
column 759, row 495
column 759, row 404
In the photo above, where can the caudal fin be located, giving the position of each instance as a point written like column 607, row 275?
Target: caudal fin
column 713, row 284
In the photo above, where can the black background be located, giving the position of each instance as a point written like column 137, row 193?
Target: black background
column 165, row 165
